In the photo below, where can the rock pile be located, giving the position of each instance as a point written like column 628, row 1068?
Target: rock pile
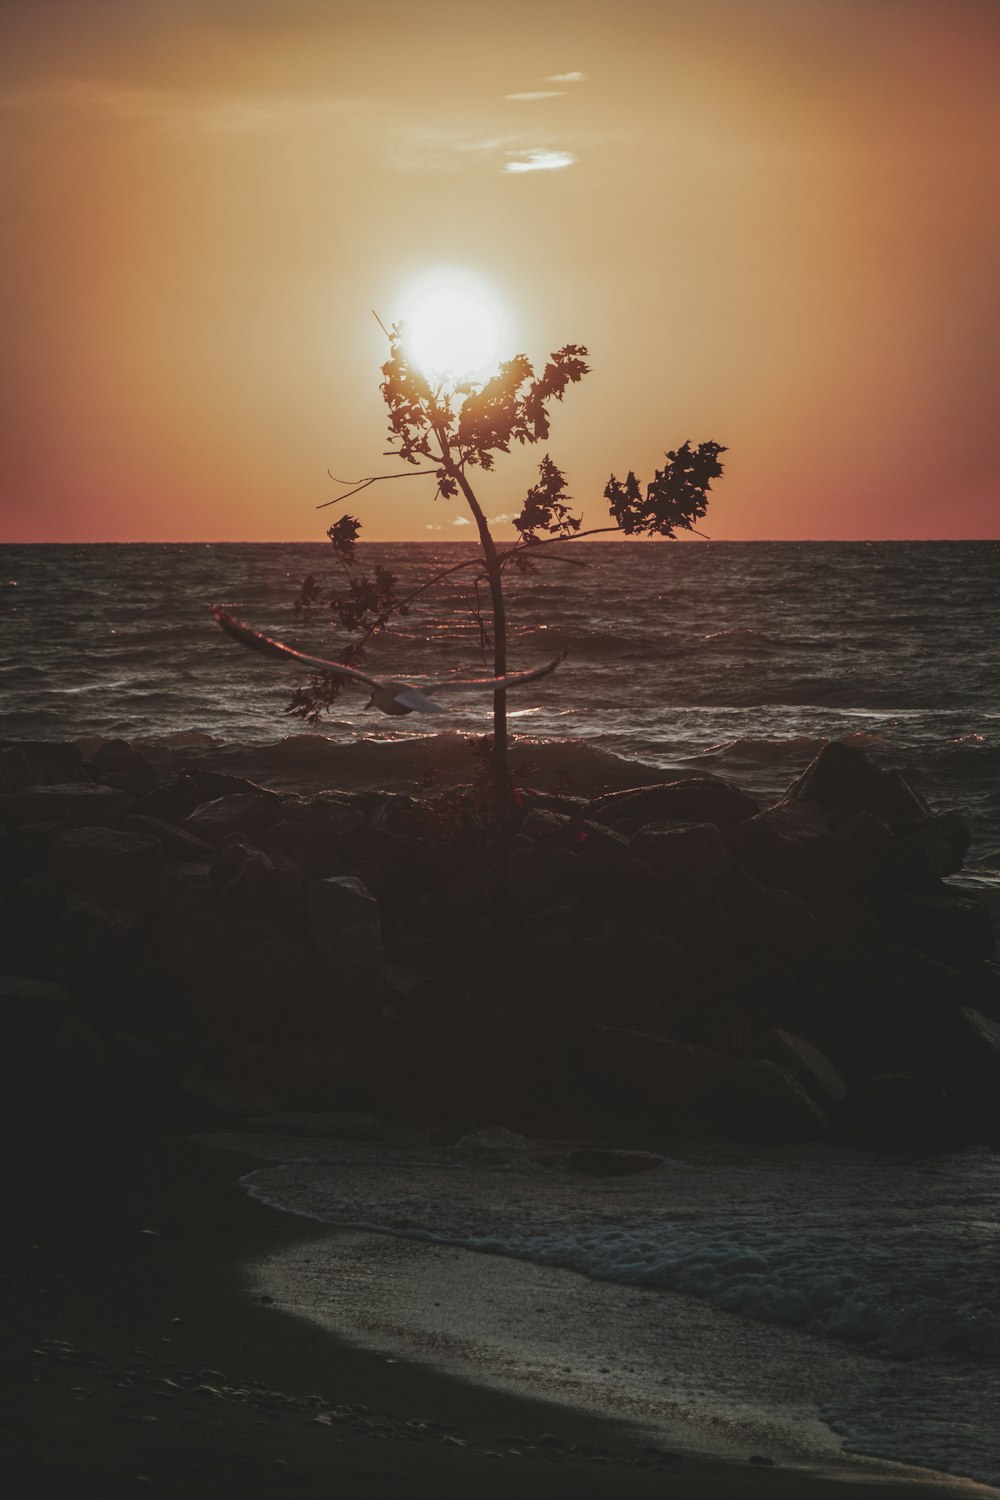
column 665, row 961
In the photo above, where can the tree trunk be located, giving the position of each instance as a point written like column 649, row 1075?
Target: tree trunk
column 500, row 777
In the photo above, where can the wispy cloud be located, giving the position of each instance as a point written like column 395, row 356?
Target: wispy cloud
column 539, row 161
column 461, row 521
column 184, row 116
column 565, row 78
column 539, row 94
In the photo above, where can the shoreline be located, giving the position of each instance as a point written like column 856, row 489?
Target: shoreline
column 137, row 1359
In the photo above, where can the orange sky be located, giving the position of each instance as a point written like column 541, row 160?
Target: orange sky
column 773, row 222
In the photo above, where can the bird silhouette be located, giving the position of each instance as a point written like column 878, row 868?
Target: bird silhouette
column 388, row 694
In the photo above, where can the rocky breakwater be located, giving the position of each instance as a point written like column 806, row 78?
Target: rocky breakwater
column 667, row 961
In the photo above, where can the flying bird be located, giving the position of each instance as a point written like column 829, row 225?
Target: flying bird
column 388, row 694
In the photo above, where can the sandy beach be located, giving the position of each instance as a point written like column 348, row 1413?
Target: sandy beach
column 141, row 1357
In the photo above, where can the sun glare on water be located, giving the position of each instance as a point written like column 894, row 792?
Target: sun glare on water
column 453, row 328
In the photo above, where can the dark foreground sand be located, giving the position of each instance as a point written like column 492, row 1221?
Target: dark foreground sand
column 135, row 1361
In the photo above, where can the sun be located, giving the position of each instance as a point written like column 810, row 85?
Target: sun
column 453, row 327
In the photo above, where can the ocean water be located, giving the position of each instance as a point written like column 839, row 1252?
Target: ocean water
column 735, row 658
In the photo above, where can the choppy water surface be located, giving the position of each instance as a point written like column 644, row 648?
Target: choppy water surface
column 739, row 658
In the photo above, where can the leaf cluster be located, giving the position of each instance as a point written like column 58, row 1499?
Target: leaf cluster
column 676, row 497
column 546, row 506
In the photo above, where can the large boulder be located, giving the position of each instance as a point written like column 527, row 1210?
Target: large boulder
column 234, row 974
column 30, row 1008
column 931, row 848
column 690, row 799
column 312, row 846
column 316, row 1075
column 346, row 931
column 117, row 763
column 248, row 813
column 75, row 804
column 819, row 1077
column 251, row 881
column 948, row 925
column 694, row 1089
column 542, row 824
column 540, row 873
column 90, row 944
column 694, row 850
column 902, row 1112
column 176, row 843
column 40, row 763
column 789, row 845
column 109, row 862
column 182, row 890
column 777, row 924
column 844, row 782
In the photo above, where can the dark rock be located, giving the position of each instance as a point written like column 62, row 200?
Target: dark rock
column 931, row 848
column 77, row 804
column 228, row 1096
column 139, row 1054
column 814, row 1071
column 540, row 873
column 49, row 762
column 902, row 1112
column 953, row 928
column 172, row 799
column 335, row 1125
column 619, row 888
column 77, row 1050
column 844, row 782
column 177, row 844
column 599, row 1161
column 967, row 1061
column 569, row 829
column 692, row 799
column 106, row 862
column 121, row 760
column 233, row 974
column 346, row 931
column 92, row 942
column 30, row 1008
column 495, row 1144
column 313, row 846
column 984, row 988
column 248, row 813
column 696, row 1089
column 16, row 770
column 488, row 1085
column 316, row 1076
column 765, row 1103
column 777, row 924
column 267, row 884
column 338, row 815
column 787, row 845
column 182, row 890
column 695, row 850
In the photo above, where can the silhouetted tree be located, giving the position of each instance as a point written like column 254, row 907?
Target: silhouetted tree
column 447, row 432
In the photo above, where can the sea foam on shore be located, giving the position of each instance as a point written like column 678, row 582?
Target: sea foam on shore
column 809, row 1302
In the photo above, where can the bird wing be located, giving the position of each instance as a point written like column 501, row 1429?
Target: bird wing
column 270, row 647
column 513, row 679
column 413, row 698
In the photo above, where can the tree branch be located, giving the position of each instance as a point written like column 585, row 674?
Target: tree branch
column 362, row 484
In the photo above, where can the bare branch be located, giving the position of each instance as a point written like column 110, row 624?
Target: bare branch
column 362, row 484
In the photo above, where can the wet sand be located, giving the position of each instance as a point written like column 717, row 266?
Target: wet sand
column 138, row 1357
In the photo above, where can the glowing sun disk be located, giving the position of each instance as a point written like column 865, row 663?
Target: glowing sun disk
column 453, row 332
